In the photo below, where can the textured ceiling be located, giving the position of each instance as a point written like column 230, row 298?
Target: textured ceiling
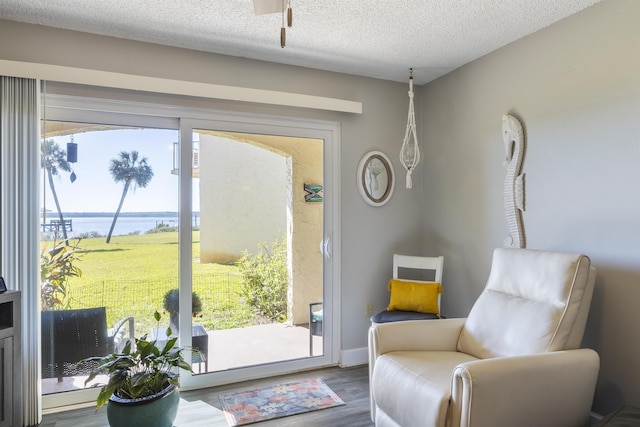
column 373, row 38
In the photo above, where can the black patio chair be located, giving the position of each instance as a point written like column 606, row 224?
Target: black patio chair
column 69, row 336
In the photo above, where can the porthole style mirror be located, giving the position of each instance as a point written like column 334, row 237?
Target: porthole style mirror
column 376, row 178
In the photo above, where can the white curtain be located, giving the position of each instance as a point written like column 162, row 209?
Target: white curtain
column 19, row 263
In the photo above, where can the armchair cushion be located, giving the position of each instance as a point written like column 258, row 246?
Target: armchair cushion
column 387, row 316
column 408, row 295
column 533, row 302
column 422, row 385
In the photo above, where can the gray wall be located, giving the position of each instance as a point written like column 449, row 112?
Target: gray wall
column 576, row 88
column 369, row 235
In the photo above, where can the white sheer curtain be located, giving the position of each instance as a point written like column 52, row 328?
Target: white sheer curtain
column 19, row 171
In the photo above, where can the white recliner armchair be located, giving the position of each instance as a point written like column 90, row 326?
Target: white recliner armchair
column 514, row 361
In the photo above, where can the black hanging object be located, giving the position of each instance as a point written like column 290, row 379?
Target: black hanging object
column 72, row 152
column 72, row 177
column 289, row 16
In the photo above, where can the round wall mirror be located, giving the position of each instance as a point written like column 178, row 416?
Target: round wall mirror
column 375, row 178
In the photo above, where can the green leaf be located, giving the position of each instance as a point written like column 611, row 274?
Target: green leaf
column 104, row 395
column 169, row 345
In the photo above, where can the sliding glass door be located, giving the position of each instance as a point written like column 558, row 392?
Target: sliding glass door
column 219, row 222
column 258, row 244
column 258, row 197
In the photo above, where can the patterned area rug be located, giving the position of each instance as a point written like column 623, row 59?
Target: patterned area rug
column 280, row 400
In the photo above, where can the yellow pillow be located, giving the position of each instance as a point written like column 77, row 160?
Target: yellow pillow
column 414, row 296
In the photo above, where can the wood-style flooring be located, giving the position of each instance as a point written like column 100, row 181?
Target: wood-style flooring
column 202, row 407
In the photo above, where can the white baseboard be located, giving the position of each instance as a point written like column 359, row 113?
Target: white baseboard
column 355, row 357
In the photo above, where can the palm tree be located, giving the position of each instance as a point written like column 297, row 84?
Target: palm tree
column 130, row 169
column 53, row 159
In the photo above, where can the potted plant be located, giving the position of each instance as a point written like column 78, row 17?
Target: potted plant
column 143, row 379
column 171, row 306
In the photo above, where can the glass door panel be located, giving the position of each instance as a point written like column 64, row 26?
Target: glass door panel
column 257, row 265
column 109, row 243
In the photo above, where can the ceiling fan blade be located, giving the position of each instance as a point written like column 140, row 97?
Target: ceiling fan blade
column 263, row 7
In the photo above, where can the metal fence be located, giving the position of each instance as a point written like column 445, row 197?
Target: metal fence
column 222, row 305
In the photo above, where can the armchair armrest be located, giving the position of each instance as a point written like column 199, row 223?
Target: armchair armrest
column 437, row 334
column 117, row 334
column 547, row 389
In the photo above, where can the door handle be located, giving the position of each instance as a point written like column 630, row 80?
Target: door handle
column 325, row 247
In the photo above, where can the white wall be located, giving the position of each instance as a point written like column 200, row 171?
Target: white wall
column 576, row 88
column 305, row 228
column 243, row 198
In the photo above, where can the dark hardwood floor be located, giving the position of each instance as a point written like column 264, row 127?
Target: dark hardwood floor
column 202, row 407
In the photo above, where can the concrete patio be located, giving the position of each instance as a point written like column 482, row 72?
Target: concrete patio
column 232, row 348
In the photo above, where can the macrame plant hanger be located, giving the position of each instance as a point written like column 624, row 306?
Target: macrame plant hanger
column 410, row 152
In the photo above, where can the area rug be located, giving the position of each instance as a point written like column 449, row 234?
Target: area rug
column 277, row 401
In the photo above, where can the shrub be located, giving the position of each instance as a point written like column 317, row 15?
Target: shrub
column 162, row 227
column 265, row 280
column 89, row 235
column 57, row 265
column 171, row 301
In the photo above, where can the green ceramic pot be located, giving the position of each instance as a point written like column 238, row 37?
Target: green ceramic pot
column 158, row 410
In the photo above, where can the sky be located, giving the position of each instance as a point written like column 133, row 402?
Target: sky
column 94, row 189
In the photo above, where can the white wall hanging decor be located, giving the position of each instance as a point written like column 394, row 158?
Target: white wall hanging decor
column 314, row 193
column 410, row 152
column 375, row 178
column 514, row 195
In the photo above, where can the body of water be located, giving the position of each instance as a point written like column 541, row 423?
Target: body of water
column 126, row 224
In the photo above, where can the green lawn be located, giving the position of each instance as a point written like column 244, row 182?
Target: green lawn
column 131, row 274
